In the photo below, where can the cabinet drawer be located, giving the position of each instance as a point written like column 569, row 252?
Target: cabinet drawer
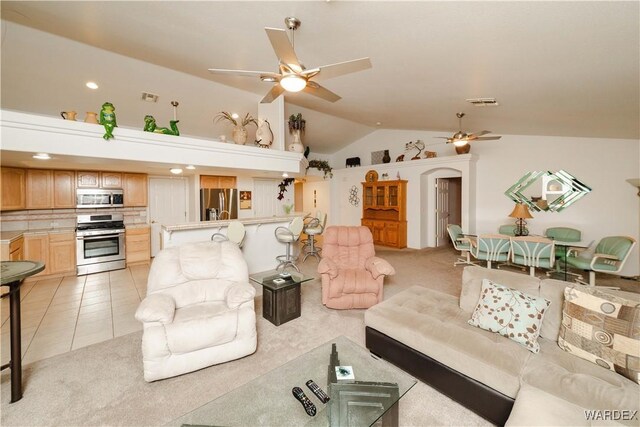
column 137, row 257
column 137, row 246
column 62, row 237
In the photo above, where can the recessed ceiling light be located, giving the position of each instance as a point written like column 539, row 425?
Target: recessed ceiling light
column 175, row 171
column 235, row 116
column 378, row 123
column 92, row 85
column 190, row 167
column 285, row 175
column 41, row 156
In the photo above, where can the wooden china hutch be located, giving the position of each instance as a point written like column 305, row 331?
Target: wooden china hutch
column 384, row 211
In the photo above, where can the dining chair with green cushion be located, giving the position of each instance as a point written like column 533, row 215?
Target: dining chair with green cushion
column 507, row 229
column 461, row 243
column 490, row 248
column 532, row 252
column 563, row 234
column 610, row 255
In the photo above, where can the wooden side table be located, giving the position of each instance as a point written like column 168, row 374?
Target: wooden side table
column 281, row 302
column 12, row 274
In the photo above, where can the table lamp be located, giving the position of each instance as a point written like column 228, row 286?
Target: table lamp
column 521, row 212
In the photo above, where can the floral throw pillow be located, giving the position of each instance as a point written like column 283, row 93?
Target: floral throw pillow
column 510, row 313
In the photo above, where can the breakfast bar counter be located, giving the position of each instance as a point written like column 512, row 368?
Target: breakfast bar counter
column 260, row 246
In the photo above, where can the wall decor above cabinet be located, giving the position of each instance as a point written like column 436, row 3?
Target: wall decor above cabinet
column 547, row 191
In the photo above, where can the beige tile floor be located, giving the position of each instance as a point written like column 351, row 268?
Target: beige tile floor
column 63, row 314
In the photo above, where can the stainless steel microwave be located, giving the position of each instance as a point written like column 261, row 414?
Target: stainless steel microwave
column 96, row 198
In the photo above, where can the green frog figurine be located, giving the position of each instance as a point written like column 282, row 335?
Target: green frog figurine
column 108, row 119
column 150, row 126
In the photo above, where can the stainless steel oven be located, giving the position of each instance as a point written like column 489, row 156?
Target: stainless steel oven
column 100, row 243
column 97, row 198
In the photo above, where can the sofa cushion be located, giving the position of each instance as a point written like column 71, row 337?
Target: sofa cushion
column 557, row 412
column 510, row 313
column 578, row 381
column 552, row 290
column 432, row 323
column 472, row 284
column 602, row 328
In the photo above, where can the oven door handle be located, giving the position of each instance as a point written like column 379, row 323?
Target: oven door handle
column 102, row 236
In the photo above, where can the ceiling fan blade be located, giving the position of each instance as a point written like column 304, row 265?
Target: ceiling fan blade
column 341, row 68
column 315, row 89
column 283, row 49
column 275, row 92
column 244, row 73
column 477, row 134
column 487, row 138
column 442, row 137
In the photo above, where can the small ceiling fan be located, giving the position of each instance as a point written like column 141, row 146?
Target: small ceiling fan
column 461, row 139
column 292, row 75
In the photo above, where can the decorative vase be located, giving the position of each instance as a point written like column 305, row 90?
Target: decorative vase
column 239, row 135
column 91, row 117
column 296, row 144
column 69, row 115
column 386, row 158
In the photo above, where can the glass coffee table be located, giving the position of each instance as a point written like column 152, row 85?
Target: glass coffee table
column 281, row 298
column 268, row 401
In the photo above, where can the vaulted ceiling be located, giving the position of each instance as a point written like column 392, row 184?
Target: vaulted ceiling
column 556, row 68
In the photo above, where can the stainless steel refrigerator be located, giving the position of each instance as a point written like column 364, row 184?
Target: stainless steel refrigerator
column 218, row 203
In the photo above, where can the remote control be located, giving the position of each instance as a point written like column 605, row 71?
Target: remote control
column 306, row 403
column 320, row 394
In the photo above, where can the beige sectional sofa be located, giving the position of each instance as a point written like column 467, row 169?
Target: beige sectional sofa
column 426, row 333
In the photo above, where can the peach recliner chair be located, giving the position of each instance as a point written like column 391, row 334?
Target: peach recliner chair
column 352, row 276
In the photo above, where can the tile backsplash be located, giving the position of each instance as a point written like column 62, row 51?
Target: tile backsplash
column 62, row 218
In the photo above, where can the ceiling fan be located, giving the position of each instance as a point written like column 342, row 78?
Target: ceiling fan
column 292, row 75
column 461, row 139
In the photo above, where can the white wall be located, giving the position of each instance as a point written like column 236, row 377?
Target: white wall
column 612, row 208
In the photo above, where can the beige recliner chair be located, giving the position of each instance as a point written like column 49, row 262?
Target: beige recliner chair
column 198, row 310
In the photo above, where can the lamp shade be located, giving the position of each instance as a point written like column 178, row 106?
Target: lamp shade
column 520, row 211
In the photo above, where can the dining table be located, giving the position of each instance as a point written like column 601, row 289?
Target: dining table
column 12, row 274
column 568, row 246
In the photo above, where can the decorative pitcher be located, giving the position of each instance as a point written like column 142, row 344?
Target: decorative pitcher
column 68, row 115
column 91, row 117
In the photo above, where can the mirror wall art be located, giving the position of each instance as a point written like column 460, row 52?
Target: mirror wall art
column 546, row 191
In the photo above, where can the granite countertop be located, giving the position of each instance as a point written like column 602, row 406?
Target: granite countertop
column 224, row 223
column 10, row 236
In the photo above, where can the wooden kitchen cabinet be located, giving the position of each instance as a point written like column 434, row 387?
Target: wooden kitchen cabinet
column 384, row 212
column 12, row 185
column 137, row 243
column 64, row 189
column 135, row 189
column 110, row 180
column 217, row 181
column 62, row 253
column 39, row 189
column 36, row 248
column 13, row 251
column 88, row 179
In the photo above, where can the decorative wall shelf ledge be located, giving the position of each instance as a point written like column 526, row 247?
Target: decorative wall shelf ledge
column 34, row 133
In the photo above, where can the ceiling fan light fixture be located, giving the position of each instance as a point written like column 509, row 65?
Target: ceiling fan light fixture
column 460, row 142
column 293, row 83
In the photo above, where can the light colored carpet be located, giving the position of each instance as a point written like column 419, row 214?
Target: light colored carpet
column 103, row 385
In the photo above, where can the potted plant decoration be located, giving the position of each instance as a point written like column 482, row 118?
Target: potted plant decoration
column 239, row 130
